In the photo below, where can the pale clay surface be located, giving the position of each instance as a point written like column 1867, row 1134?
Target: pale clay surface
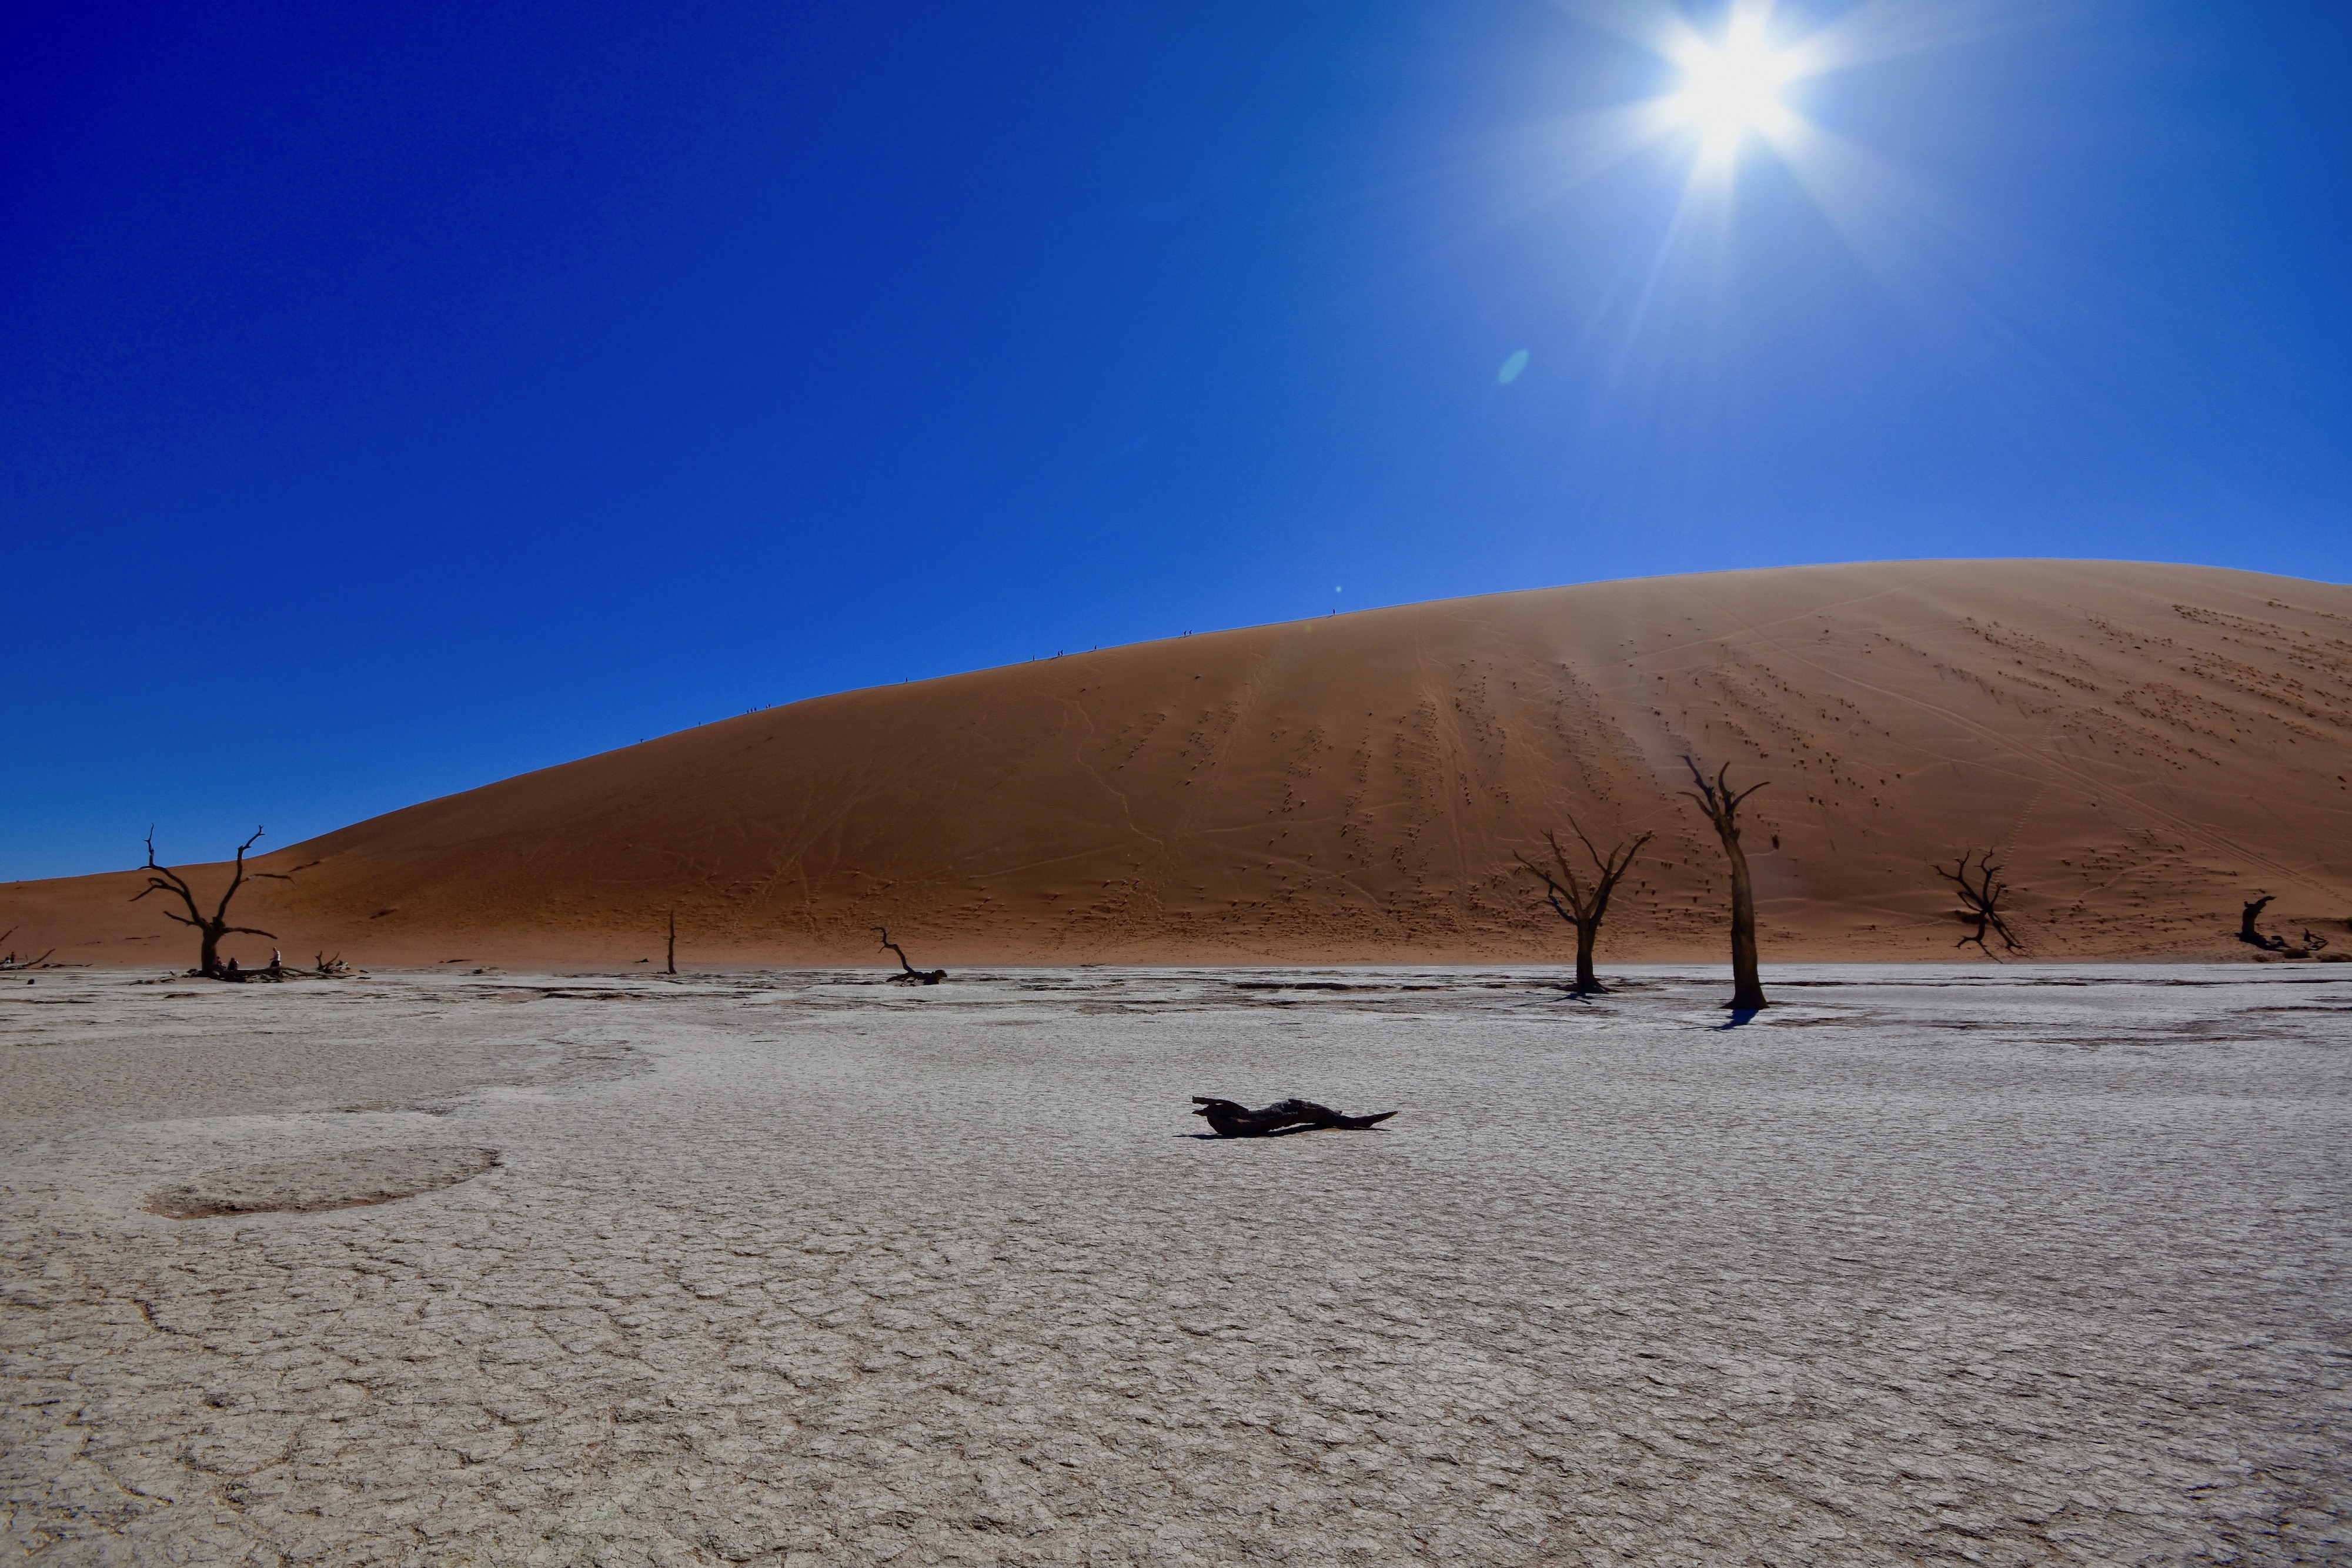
column 2035, row 1265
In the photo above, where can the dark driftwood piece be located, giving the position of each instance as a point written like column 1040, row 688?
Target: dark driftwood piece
column 1585, row 905
column 913, row 976
column 1983, row 898
column 1228, row 1120
column 1721, row 804
column 211, row 928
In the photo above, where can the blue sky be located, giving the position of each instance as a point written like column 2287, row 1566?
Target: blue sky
column 396, row 398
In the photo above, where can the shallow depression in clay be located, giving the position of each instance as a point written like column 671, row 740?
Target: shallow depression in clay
column 353, row 1179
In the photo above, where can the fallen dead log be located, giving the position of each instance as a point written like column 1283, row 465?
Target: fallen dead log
column 1228, row 1120
column 12, row 960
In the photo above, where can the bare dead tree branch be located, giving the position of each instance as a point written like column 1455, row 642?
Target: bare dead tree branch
column 10, row 960
column 235, row 881
column 1585, row 904
column 1983, row 898
column 913, row 976
column 1721, row 803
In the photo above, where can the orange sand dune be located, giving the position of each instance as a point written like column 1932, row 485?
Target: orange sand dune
column 2145, row 746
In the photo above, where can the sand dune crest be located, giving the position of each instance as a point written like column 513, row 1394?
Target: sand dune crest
column 2143, row 745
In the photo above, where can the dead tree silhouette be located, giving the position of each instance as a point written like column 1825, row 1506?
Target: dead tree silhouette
column 2246, row 932
column 1721, row 804
column 1586, row 904
column 211, row 928
column 1983, row 898
column 913, row 976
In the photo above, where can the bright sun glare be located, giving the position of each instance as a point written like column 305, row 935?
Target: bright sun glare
column 1734, row 88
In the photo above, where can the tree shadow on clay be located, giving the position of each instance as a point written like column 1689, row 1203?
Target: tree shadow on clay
column 1277, row 1133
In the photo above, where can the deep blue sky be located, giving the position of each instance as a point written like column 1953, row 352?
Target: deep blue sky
column 394, row 398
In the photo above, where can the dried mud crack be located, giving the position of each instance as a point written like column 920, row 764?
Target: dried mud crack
column 794, row 1269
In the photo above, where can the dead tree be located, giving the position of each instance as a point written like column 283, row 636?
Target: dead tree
column 2247, row 933
column 673, row 941
column 1982, row 899
column 211, row 928
column 1721, row 804
column 9, row 960
column 913, row 976
column 1585, row 904
column 1228, row 1120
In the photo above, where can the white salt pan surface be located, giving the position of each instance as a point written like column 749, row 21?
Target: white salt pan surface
column 2030, row 1265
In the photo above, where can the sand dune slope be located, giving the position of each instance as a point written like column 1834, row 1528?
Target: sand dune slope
column 2142, row 746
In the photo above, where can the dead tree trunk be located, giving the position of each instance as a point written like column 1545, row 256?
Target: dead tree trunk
column 2246, row 932
column 1585, row 905
column 210, row 928
column 913, row 976
column 1721, row 804
column 1981, row 899
column 673, row 941
column 1228, row 1120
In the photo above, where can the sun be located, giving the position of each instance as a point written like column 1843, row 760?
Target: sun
column 1733, row 87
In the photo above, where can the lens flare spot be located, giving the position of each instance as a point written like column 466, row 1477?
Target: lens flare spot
column 1734, row 88
column 1512, row 367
